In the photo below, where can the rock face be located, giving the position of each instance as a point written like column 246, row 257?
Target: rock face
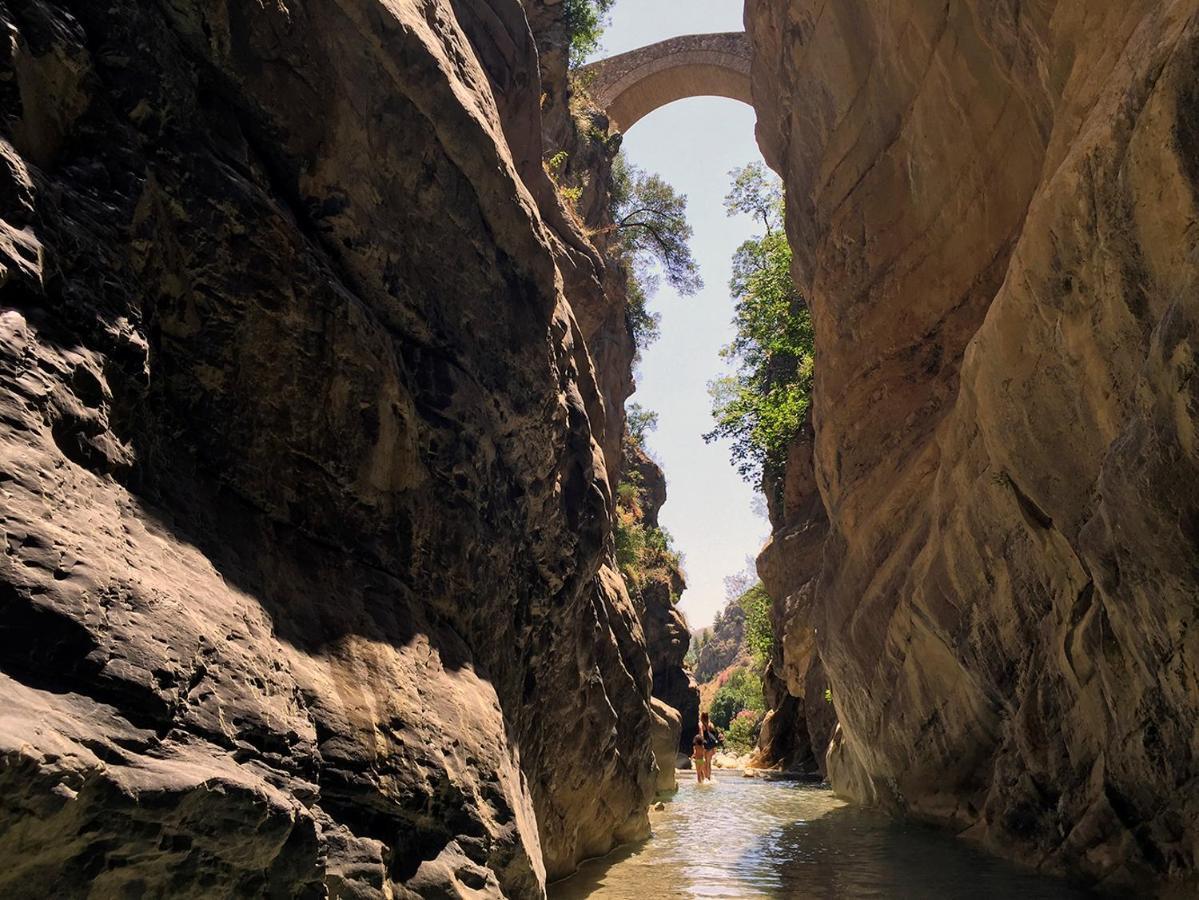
column 992, row 207
column 307, row 585
column 725, row 647
column 800, row 720
column 667, row 635
column 668, row 724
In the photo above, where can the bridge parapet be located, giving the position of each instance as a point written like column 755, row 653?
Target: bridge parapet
column 631, row 85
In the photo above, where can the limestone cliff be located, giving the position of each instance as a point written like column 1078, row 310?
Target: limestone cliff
column 580, row 132
column 724, row 646
column 307, row 582
column 667, row 634
column 800, row 719
column 993, row 207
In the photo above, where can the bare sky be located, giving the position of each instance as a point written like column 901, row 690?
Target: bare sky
column 694, row 144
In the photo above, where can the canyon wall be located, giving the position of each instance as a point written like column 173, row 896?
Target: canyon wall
column 307, row 585
column 800, row 717
column 993, row 208
column 667, row 634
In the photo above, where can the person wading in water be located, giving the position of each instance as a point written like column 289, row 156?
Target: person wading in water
column 711, row 740
column 698, row 757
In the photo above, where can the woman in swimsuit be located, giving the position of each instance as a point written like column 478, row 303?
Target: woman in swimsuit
column 712, row 740
column 697, row 757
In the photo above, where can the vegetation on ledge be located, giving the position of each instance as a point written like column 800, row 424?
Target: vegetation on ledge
column 644, row 550
column 761, row 408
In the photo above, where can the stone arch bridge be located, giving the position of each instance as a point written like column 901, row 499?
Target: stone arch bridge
column 630, row 86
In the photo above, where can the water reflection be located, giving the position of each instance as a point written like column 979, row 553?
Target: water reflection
column 742, row 838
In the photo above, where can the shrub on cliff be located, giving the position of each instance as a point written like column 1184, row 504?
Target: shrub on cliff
column 761, row 408
column 644, row 551
column 639, row 422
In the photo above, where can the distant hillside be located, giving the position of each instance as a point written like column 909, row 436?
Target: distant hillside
column 721, row 645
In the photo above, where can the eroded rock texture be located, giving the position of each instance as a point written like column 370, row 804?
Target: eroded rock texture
column 993, row 210
column 800, row 719
column 305, row 587
column 667, row 635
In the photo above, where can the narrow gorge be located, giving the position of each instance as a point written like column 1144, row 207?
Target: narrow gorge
column 315, row 348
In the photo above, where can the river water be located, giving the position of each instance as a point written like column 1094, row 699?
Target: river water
column 743, row 837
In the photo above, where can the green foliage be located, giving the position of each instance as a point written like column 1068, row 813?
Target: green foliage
column 762, row 407
column 639, row 422
column 759, row 627
column 755, row 192
column 741, row 690
column 643, row 551
column 653, row 240
column 627, row 492
column 585, row 21
column 743, row 730
column 555, row 167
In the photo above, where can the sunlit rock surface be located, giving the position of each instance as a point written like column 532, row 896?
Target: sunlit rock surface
column 302, row 473
column 993, row 209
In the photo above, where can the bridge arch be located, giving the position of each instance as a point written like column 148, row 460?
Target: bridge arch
column 631, row 85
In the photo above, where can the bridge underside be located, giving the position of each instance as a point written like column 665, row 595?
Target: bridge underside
column 632, row 85
column 676, row 83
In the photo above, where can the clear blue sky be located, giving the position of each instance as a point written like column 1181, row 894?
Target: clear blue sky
column 694, row 144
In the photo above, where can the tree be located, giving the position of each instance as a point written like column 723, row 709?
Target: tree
column 639, row 421
column 585, row 21
column 651, row 236
column 761, row 408
column 737, row 584
column 757, row 193
column 742, row 690
column 759, row 625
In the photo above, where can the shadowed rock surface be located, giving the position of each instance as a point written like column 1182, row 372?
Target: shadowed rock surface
column 306, row 585
column 667, row 635
column 311, row 411
column 800, row 720
column 992, row 207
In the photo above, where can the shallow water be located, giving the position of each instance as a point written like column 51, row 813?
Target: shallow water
column 743, row 837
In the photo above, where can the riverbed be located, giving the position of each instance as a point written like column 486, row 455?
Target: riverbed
column 742, row 838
